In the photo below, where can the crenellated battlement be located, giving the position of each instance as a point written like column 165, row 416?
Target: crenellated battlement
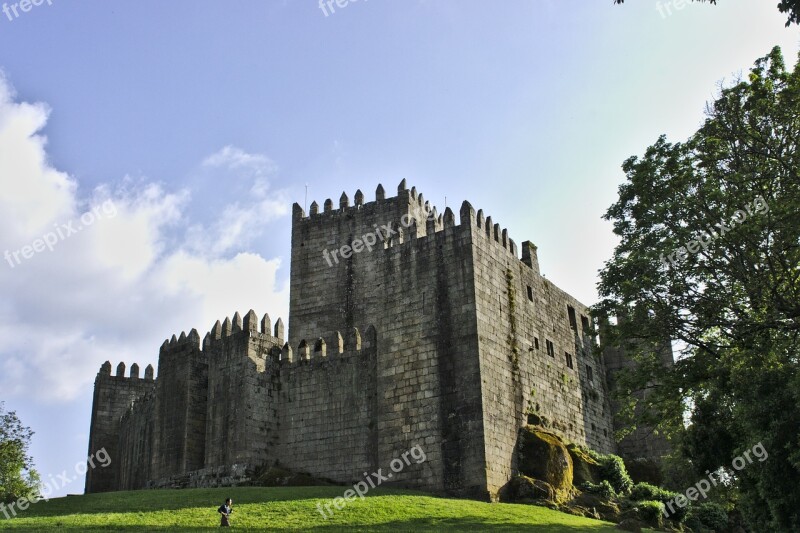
column 423, row 220
column 333, row 345
column 105, row 372
column 248, row 327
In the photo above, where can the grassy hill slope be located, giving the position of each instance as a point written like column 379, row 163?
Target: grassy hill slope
column 289, row 509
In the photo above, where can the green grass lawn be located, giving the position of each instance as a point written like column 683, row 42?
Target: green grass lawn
column 289, row 509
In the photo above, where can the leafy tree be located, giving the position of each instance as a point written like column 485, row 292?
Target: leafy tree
column 792, row 7
column 709, row 255
column 17, row 476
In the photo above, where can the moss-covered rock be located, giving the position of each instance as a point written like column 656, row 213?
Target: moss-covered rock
column 600, row 507
column 584, row 467
column 524, row 489
column 543, row 456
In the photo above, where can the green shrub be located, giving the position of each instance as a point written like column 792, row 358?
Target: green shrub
column 680, row 513
column 603, row 489
column 694, row 524
column 651, row 513
column 612, row 469
column 646, row 491
column 713, row 516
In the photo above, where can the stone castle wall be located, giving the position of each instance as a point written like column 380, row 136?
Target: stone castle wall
column 415, row 286
column 439, row 336
column 311, row 410
column 113, row 396
column 536, row 353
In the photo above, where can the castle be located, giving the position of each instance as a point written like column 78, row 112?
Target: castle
column 407, row 328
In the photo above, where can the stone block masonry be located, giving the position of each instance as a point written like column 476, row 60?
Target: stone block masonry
column 441, row 336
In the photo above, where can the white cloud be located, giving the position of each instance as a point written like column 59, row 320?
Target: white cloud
column 236, row 187
column 235, row 158
column 116, row 288
column 210, row 286
column 33, row 193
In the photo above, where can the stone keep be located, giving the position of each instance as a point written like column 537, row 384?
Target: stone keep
column 439, row 332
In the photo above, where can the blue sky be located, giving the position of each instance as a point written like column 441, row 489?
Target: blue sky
column 200, row 122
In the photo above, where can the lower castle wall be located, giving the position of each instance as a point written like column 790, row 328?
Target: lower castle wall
column 328, row 415
column 240, row 411
column 135, row 458
column 180, row 407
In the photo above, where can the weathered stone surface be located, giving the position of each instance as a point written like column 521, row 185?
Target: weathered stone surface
column 275, row 476
column 542, row 455
column 524, row 489
column 598, row 506
column 584, row 467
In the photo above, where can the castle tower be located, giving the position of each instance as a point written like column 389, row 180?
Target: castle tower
column 407, row 271
column 180, row 406
column 113, row 396
column 241, row 423
column 472, row 339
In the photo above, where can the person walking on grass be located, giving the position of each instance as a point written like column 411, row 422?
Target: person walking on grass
column 225, row 513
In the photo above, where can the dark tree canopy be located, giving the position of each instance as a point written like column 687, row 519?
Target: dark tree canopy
column 709, row 256
column 791, row 7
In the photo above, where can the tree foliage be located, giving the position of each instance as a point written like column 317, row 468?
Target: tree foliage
column 709, row 255
column 17, row 475
column 790, row 7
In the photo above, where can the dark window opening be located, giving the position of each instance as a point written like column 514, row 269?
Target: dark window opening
column 569, row 359
column 589, row 374
column 530, row 293
column 536, row 342
column 585, row 324
column 550, row 349
column 573, row 322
